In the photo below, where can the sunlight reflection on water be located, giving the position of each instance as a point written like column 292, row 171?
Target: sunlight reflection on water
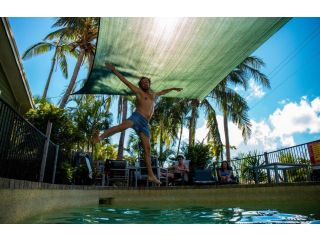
column 190, row 215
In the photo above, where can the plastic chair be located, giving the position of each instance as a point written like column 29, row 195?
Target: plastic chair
column 204, row 177
column 141, row 173
column 117, row 171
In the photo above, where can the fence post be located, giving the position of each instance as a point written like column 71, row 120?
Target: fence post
column 256, row 176
column 55, row 164
column 266, row 160
column 276, row 173
column 45, row 151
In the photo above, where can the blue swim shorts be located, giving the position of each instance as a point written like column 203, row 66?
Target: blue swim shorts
column 140, row 124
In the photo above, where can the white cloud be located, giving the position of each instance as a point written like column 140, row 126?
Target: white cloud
column 296, row 118
column 274, row 132
column 201, row 133
column 234, row 132
column 315, row 105
column 255, row 90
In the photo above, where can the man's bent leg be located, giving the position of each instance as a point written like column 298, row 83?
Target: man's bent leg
column 147, row 157
column 119, row 128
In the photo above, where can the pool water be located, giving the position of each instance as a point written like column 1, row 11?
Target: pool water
column 186, row 215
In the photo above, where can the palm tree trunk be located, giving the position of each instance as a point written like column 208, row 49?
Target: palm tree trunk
column 45, row 91
column 161, row 145
column 73, row 79
column 226, row 133
column 225, row 124
column 192, row 130
column 181, row 129
column 123, row 133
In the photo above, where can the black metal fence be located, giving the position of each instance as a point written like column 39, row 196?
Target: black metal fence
column 21, row 148
column 293, row 164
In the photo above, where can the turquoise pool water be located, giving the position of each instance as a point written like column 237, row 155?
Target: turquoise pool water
column 186, row 215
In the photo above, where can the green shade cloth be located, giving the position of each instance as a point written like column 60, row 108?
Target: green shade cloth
column 191, row 53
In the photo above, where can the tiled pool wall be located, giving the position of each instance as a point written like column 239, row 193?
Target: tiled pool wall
column 23, row 199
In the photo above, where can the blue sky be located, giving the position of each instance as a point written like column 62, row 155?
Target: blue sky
column 285, row 115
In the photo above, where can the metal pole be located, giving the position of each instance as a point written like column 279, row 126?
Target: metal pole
column 285, row 175
column 45, row 151
column 266, row 159
column 276, row 173
column 256, row 175
column 55, row 164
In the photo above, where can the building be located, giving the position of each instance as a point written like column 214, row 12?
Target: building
column 14, row 88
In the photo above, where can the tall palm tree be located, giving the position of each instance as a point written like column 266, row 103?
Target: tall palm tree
column 90, row 113
column 60, row 48
column 232, row 104
column 122, row 116
column 234, row 107
column 165, row 125
column 182, row 109
column 212, row 123
column 82, row 34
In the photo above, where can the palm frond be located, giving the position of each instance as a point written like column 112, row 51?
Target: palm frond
column 69, row 50
column 212, row 123
column 37, row 49
column 238, row 77
column 63, row 64
column 259, row 77
column 62, row 33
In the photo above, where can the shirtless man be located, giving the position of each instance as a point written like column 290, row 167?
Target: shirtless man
column 139, row 119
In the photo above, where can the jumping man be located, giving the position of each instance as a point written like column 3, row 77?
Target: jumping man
column 139, row 119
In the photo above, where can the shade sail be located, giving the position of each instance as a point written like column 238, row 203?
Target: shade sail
column 192, row 53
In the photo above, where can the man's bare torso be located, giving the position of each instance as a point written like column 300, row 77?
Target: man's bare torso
column 145, row 104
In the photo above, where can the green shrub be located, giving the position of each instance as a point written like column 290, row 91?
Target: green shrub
column 199, row 155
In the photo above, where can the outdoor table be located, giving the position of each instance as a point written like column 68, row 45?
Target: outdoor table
column 276, row 166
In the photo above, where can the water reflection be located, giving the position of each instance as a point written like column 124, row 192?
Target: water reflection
column 189, row 215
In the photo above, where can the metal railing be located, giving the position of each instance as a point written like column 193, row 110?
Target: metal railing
column 248, row 171
column 22, row 148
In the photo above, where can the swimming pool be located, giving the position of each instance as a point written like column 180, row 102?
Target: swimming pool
column 185, row 215
column 23, row 201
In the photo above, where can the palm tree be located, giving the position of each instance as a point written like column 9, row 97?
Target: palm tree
column 193, row 120
column 133, row 146
column 212, row 123
column 61, row 49
column 182, row 109
column 231, row 103
column 122, row 116
column 164, row 126
column 89, row 114
column 82, row 33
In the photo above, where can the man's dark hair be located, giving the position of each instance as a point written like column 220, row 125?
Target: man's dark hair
column 142, row 78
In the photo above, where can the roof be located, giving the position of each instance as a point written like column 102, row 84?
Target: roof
column 13, row 68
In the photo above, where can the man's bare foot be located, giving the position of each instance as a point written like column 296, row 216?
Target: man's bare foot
column 153, row 179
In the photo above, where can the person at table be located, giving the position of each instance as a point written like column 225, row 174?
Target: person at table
column 225, row 173
column 180, row 170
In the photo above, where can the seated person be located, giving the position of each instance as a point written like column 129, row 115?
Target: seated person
column 179, row 171
column 225, row 173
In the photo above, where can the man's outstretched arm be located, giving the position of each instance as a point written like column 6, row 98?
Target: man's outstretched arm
column 122, row 78
column 165, row 91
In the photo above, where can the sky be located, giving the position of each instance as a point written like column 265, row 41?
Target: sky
column 285, row 115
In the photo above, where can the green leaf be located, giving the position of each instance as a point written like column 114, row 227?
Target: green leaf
column 37, row 49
